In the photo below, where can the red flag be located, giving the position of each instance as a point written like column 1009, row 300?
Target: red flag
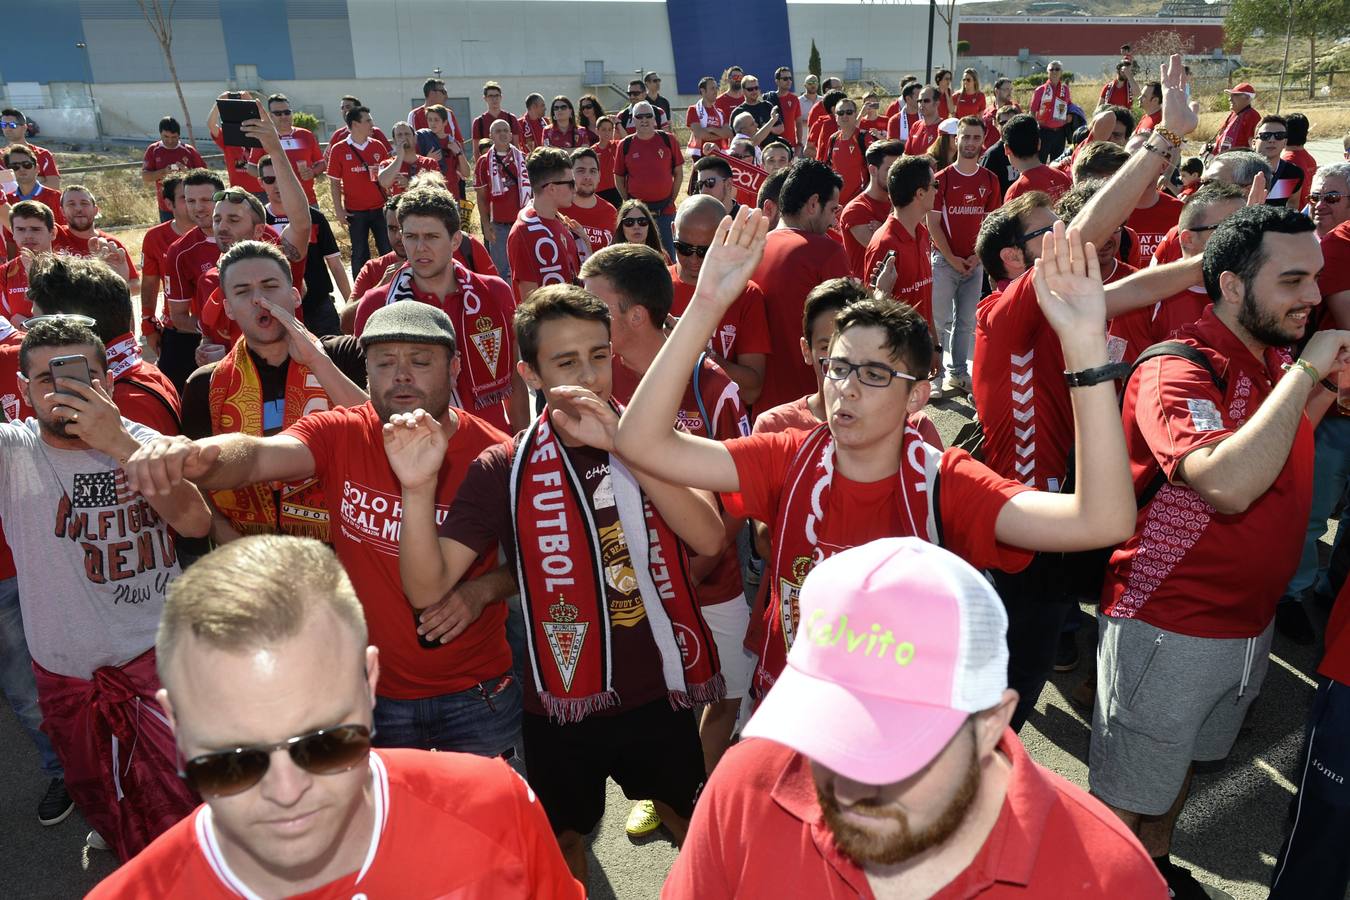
column 747, row 177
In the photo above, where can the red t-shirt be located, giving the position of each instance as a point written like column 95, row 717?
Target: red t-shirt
column 797, row 415
column 1237, row 130
column 236, row 164
column 845, row 156
column 649, row 167
column 189, row 257
column 1152, row 225
column 475, row 814
column 921, row 137
column 46, row 162
column 789, row 111
column 505, row 208
column 893, row 123
column 968, row 104
column 418, row 120
column 606, row 152
column 856, row 513
column 722, row 400
column 794, row 262
column 758, row 832
column 372, row 272
column 716, row 119
column 1116, row 93
column 14, row 301
column 744, row 328
column 1148, row 122
column 1169, row 248
column 1019, row 388
column 366, row 510
column 1188, row 568
column 531, row 132
column 157, row 157
column 726, row 103
column 1140, row 329
column 1042, row 178
column 341, row 135
column 541, row 251
column 913, row 266
column 155, row 252
column 599, row 221
column 301, row 147
column 963, row 201
column 1305, row 161
column 482, row 124
column 1335, row 277
column 861, row 210
column 359, row 168
column 66, row 241
column 577, row 136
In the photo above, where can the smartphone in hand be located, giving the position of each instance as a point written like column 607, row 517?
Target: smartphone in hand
column 74, row 366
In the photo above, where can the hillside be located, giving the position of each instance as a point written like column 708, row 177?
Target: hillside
column 1089, row 7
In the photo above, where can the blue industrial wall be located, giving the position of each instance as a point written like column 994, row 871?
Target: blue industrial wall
column 707, row 36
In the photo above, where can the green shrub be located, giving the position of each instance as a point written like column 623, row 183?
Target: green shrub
column 1030, row 82
column 305, row 120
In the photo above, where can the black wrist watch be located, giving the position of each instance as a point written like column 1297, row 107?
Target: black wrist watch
column 1089, row 377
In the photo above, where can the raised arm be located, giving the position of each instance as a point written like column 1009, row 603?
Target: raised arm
column 647, row 436
column 218, row 462
column 1111, row 206
column 305, row 349
column 295, row 236
column 1152, row 284
column 1101, row 510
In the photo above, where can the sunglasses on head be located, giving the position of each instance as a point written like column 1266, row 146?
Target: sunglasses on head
column 631, row 222
column 234, row 195
column 327, row 751
column 684, row 249
column 1272, row 135
column 22, row 165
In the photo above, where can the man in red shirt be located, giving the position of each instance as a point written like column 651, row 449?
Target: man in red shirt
column 705, row 120
column 1239, row 126
column 21, row 160
column 544, row 248
column 81, row 238
column 741, row 345
column 348, row 103
column 302, row 148
column 167, row 156
column 648, row 166
column 1050, row 107
column 1185, row 624
column 1121, row 90
column 447, row 682
column 1330, row 197
column 264, row 639
column 353, row 174
column 503, row 189
column 481, row 306
column 1150, row 101
column 1296, row 128
column 844, row 149
column 857, row 780
column 33, row 227
column 154, row 258
column 481, row 128
column 594, row 213
column 433, row 94
column 1022, row 141
column 863, row 215
column 789, row 107
column 923, row 132
column 798, row 255
column 14, row 127
column 1153, row 217
column 866, row 473
column 733, row 96
column 904, row 235
column 966, row 193
column 186, row 258
column 1285, row 187
column 897, row 125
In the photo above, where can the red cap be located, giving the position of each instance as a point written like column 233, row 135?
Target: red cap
column 1244, row 88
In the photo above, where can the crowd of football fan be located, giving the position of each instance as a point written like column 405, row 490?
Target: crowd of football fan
column 633, row 481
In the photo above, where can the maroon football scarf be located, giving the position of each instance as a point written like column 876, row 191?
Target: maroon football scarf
column 564, row 593
column 796, row 533
column 746, row 176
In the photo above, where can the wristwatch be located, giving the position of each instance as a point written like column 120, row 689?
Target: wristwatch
column 1089, row 377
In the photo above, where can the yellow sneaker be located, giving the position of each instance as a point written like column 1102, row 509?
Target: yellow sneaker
column 643, row 820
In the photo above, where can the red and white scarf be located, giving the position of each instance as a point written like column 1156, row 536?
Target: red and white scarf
column 532, row 133
column 124, row 355
column 796, row 533
column 497, row 180
column 564, row 593
column 480, row 323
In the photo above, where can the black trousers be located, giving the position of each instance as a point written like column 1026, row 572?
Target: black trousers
column 1052, row 143
column 361, row 225
column 178, row 355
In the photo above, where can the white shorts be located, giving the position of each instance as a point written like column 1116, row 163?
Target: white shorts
column 729, row 621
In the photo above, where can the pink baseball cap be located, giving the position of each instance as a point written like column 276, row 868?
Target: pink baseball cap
column 898, row 642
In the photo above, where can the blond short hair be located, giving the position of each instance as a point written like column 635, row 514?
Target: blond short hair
column 256, row 592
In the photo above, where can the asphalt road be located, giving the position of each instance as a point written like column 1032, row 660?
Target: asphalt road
column 1229, row 833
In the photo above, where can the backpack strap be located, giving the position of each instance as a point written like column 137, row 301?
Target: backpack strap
column 698, row 396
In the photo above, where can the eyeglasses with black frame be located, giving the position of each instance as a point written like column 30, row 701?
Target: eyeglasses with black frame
column 327, row 751
column 871, row 374
column 1272, row 135
column 570, row 184
column 686, row 249
column 1026, row 238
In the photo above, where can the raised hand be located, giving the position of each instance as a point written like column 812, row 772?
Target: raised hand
column 883, row 275
column 108, row 252
column 264, row 132
column 415, row 444
column 1256, row 194
column 92, row 416
column 1177, row 114
column 1069, row 288
column 155, row 468
column 581, row 416
column 736, row 250
column 302, row 345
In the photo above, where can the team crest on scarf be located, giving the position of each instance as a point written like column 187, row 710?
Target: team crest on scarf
column 488, row 340
column 565, row 638
column 791, row 590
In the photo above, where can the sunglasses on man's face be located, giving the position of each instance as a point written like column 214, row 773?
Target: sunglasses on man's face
column 1026, row 238
column 280, row 113
column 9, row 125
column 636, row 93
column 268, row 179
column 327, row 751
column 1272, row 135
column 1330, row 198
column 644, row 115
column 708, row 183
column 630, row 222
column 685, row 249
column 16, row 166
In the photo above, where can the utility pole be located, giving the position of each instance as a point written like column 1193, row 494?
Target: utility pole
column 928, row 62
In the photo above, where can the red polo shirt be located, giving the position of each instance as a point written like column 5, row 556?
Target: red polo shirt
column 861, row 210
column 845, row 156
column 482, row 125
column 358, row 169
column 1042, row 178
column 1189, row 568
column 758, row 831
column 1237, row 130
column 158, row 157
column 794, row 262
column 1140, row 329
column 744, row 328
column 921, row 137
column 1019, row 388
column 301, row 146
column 913, row 266
column 649, row 167
column 963, row 201
column 67, row 241
column 1152, row 225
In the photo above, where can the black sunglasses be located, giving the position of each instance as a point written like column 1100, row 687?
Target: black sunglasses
column 570, row 184
column 1203, row 227
column 268, row 179
column 644, row 115
column 699, row 250
column 630, row 222
column 15, row 166
column 327, row 751
column 281, row 112
column 1037, row 233
column 1331, row 198
column 636, row 93
column 708, row 183
column 1273, row 135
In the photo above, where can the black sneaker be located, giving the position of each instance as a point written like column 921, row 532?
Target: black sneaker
column 1066, row 655
column 1291, row 620
column 56, row 803
column 1180, row 882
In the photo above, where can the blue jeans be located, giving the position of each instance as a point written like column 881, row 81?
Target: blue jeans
column 666, row 225
column 954, row 300
column 16, row 676
column 362, row 225
column 497, row 249
column 1331, row 471
column 484, row 720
